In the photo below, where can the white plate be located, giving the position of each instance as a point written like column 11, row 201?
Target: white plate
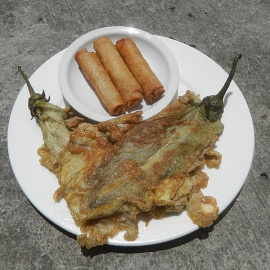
column 198, row 73
column 82, row 97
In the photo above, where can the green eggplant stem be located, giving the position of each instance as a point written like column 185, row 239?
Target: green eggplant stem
column 213, row 105
column 30, row 88
column 228, row 81
column 34, row 97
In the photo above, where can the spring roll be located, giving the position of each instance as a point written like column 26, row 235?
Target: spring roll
column 96, row 74
column 121, row 76
column 147, row 79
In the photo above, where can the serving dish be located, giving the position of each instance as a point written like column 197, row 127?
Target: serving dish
column 82, row 96
column 197, row 73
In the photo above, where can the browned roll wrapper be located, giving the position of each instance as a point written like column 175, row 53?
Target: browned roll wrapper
column 95, row 73
column 147, row 79
column 121, row 76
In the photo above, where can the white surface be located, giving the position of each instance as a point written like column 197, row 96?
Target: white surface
column 82, row 96
column 199, row 74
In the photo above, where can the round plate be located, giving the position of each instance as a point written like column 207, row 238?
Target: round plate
column 82, row 96
column 199, row 74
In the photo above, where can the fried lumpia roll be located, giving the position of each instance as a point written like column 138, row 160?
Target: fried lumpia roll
column 121, row 76
column 147, row 79
column 95, row 73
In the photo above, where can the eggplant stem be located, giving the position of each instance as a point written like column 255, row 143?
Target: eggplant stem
column 213, row 105
column 30, row 88
column 229, row 79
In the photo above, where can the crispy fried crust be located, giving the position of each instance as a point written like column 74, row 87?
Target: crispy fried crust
column 111, row 172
